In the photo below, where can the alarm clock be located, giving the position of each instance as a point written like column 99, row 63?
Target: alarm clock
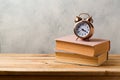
column 83, row 28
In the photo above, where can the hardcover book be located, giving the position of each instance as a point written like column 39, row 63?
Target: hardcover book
column 92, row 48
column 73, row 58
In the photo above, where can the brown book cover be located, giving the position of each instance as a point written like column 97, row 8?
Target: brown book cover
column 93, row 47
column 68, row 57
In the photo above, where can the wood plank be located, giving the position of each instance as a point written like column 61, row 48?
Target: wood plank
column 57, row 78
column 45, row 64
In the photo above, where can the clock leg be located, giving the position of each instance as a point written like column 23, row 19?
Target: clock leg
column 77, row 38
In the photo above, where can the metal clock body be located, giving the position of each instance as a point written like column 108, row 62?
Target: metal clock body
column 83, row 28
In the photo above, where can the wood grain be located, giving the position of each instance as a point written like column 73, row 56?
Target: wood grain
column 28, row 66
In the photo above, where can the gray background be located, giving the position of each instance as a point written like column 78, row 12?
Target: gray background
column 30, row 26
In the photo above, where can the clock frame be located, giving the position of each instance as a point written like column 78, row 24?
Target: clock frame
column 80, row 20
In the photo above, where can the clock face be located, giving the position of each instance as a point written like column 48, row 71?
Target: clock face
column 82, row 29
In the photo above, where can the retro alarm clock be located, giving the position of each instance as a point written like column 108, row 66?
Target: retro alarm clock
column 83, row 28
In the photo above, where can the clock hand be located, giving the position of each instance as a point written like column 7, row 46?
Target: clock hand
column 84, row 30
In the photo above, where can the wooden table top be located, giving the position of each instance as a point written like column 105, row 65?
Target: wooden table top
column 45, row 64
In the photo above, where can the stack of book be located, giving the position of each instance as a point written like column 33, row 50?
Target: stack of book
column 93, row 52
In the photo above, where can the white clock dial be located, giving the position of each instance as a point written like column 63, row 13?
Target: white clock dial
column 83, row 29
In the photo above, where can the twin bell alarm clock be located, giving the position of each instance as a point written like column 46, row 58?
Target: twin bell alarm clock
column 83, row 28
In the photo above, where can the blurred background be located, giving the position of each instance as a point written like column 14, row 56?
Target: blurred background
column 30, row 26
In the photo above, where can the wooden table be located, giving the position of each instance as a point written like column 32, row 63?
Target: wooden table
column 44, row 67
